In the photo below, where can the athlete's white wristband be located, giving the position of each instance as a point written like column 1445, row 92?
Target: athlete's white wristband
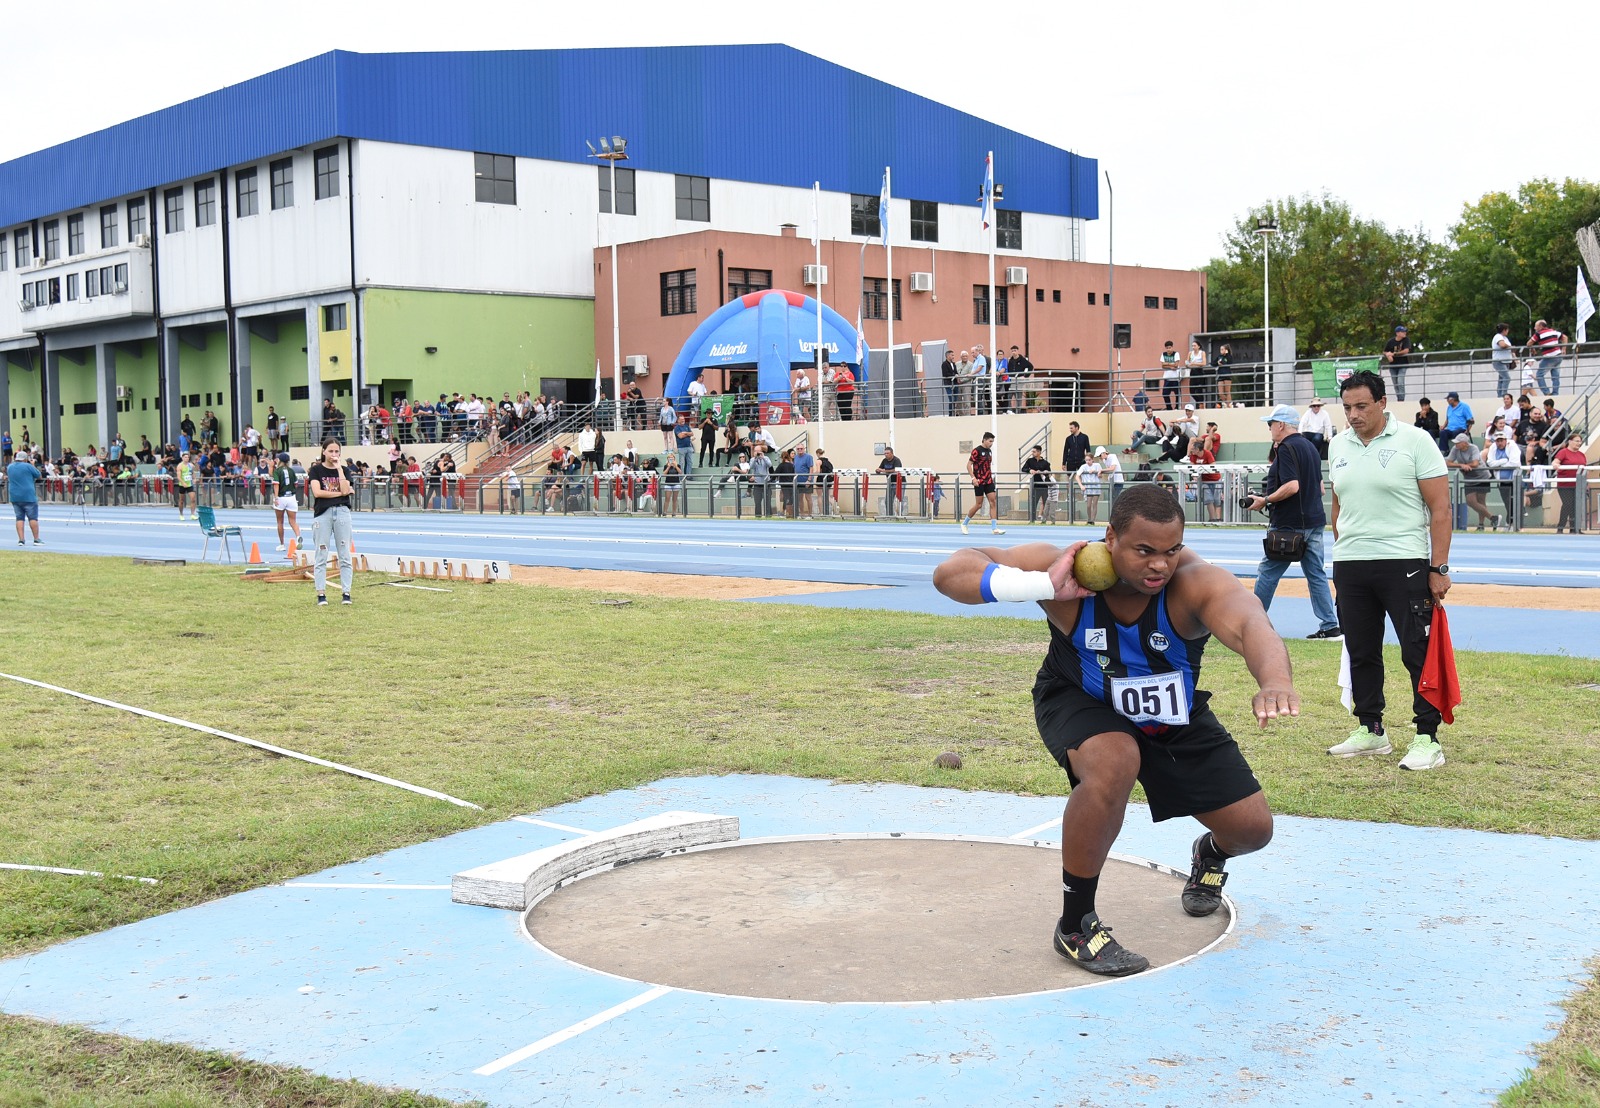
column 1016, row 585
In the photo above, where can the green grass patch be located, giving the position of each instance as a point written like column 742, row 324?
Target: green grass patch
column 519, row 698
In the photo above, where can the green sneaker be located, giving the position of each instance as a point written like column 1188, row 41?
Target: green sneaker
column 1361, row 741
column 1424, row 753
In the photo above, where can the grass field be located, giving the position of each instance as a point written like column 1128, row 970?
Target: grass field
column 520, row 698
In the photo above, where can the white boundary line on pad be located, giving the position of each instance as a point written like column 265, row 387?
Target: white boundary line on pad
column 571, row 1032
column 1032, row 831
column 78, row 872
column 352, row 885
column 552, row 826
column 284, row 752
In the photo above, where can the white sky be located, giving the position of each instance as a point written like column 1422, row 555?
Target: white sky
column 1198, row 111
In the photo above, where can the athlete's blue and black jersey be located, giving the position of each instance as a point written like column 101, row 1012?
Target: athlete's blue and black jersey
column 1144, row 671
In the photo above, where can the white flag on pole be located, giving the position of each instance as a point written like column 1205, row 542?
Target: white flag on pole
column 1585, row 305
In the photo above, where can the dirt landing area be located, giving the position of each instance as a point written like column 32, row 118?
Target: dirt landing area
column 1544, row 597
column 689, row 586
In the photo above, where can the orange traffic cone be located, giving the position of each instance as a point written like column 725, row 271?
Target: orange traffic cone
column 255, row 554
column 294, row 548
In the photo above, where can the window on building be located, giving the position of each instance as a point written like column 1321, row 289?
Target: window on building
column 72, row 286
column 91, row 284
column 924, row 221
column 742, row 282
column 174, row 204
column 1169, row 303
column 980, row 305
column 22, row 243
column 282, row 174
column 327, row 163
column 205, row 202
column 678, row 292
column 865, row 219
column 1055, row 295
column 496, row 177
column 74, row 235
column 27, row 292
column 1105, row 298
column 1038, row 296
column 54, row 289
column 875, row 300
column 1091, row 299
column 694, row 198
column 5, row 255
column 627, row 202
column 1007, row 230
column 333, row 317
column 246, row 201
column 138, row 224
column 1152, row 301
column 52, row 239
column 108, row 227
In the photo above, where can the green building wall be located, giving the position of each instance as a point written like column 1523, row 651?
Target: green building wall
column 483, row 343
column 277, row 367
column 23, row 390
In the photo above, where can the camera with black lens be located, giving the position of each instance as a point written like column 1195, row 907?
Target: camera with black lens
column 1244, row 502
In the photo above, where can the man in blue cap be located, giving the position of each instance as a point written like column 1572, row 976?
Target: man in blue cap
column 1397, row 352
column 1292, row 492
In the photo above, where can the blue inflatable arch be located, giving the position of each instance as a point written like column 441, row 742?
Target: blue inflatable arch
column 773, row 331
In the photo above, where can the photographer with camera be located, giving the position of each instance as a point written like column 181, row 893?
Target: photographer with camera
column 1292, row 494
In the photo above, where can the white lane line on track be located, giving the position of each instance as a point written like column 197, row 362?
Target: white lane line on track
column 78, row 872
column 282, row 751
column 571, row 1032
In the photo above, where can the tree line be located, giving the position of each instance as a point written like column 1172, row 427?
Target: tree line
column 1345, row 282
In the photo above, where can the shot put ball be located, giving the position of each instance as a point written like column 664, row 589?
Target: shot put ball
column 1092, row 567
column 948, row 760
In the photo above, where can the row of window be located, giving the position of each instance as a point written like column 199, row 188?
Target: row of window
column 867, row 221
column 176, row 201
column 107, row 280
column 679, row 294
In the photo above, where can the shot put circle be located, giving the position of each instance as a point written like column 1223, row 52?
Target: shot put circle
column 860, row 918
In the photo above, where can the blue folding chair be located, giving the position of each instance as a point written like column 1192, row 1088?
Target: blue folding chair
column 214, row 530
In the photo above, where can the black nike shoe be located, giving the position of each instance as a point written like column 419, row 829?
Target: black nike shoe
column 1202, row 893
column 1095, row 950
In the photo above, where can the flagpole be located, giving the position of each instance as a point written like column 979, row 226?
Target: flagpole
column 816, row 241
column 888, row 264
column 994, row 369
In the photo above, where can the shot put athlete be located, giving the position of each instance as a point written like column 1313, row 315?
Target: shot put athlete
column 1116, row 701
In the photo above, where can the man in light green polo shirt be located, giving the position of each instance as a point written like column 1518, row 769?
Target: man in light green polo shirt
column 1391, row 550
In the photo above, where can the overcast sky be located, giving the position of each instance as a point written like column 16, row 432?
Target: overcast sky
column 1197, row 110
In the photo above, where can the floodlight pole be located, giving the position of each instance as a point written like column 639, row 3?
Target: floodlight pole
column 615, row 150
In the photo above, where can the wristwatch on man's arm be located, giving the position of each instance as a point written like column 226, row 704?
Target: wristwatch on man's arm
column 1442, row 569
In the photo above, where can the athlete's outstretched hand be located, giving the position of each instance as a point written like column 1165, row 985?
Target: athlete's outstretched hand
column 1274, row 702
column 1067, row 587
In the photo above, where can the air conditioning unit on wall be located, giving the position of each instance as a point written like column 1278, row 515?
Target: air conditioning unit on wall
column 814, row 275
column 639, row 363
column 1016, row 275
column 922, row 282
column 123, row 392
column 141, row 242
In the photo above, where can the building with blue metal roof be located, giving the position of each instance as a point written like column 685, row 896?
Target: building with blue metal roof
column 357, row 227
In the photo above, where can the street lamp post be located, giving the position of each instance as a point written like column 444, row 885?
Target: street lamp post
column 615, row 150
column 1526, row 305
column 1266, row 227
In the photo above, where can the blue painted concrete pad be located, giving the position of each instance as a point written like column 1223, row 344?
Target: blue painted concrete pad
column 1369, row 963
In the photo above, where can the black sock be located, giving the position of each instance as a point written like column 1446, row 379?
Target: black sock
column 1077, row 899
column 1210, row 849
column 1375, row 726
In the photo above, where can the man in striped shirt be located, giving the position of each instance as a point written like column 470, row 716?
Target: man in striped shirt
column 1545, row 344
column 980, row 467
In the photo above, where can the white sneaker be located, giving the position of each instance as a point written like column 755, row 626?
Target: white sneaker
column 281, row 548
column 998, row 531
column 1424, row 753
column 963, row 527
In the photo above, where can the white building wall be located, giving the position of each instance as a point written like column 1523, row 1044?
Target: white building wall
column 294, row 251
column 191, row 259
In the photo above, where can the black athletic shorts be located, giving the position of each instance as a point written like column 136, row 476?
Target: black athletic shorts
column 984, row 489
column 1186, row 771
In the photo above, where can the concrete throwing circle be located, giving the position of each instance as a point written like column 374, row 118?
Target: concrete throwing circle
column 877, row 918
